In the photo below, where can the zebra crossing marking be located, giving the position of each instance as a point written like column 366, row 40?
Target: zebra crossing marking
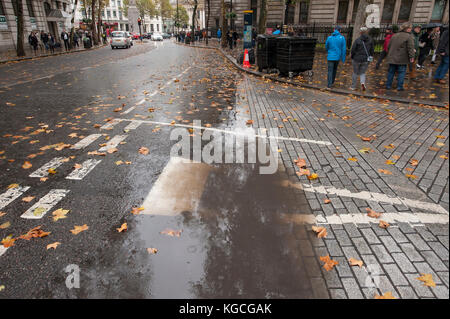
column 46, row 203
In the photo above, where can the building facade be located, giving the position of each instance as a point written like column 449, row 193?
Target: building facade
column 52, row 16
column 331, row 12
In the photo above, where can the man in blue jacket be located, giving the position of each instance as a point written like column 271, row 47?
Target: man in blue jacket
column 336, row 50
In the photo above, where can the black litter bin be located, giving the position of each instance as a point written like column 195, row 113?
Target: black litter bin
column 266, row 52
column 87, row 43
column 295, row 54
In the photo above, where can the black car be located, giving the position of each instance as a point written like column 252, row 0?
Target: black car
column 147, row 35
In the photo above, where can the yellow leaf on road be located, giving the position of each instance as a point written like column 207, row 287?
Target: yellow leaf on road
column 54, row 245
column 13, row 186
column 355, row 262
column 79, row 229
column 59, row 214
column 384, row 171
column 329, row 263
column 152, row 250
column 122, row 228
column 26, row 165
column 387, row 295
column 320, row 231
column 143, row 150
column 5, row 225
column 171, row 232
column 353, row 159
column 427, row 280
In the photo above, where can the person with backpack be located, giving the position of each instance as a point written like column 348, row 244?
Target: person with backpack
column 336, row 51
column 361, row 55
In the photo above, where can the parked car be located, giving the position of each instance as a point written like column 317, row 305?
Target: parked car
column 157, row 37
column 166, row 36
column 120, row 39
column 135, row 36
column 130, row 36
column 147, row 35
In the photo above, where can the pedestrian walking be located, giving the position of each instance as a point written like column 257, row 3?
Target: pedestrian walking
column 33, row 41
column 235, row 37
column 65, row 38
column 416, row 35
column 400, row 53
column 51, row 43
column 435, row 36
column 361, row 55
column 219, row 35
column 230, row 39
column 442, row 51
column 388, row 35
column 426, row 45
column 75, row 40
column 336, row 51
column 44, row 36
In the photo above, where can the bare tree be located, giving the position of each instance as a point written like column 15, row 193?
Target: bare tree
column 224, row 25
column 208, row 12
column 93, row 27
column 20, row 48
column 194, row 12
column 360, row 18
column 262, row 17
column 72, row 23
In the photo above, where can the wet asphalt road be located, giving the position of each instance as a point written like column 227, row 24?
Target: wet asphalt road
column 233, row 243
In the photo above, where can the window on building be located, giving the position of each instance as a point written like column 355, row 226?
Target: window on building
column 342, row 11
column 290, row 12
column 47, row 8
column 2, row 11
column 58, row 5
column 14, row 3
column 157, row 27
column 438, row 10
column 103, row 14
column 120, row 15
column 30, row 8
column 65, row 6
column 304, row 9
column 355, row 10
column 254, row 7
column 388, row 11
column 108, row 13
column 114, row 14
column 119, row 3
column 405, row 10
column 113, row 3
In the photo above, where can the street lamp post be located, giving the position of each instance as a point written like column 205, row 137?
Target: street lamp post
column 178, row 27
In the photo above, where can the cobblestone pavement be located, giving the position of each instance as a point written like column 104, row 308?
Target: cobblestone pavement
column 423, row 88
column 395, row 256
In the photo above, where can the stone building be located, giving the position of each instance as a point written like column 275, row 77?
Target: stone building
column 39, row 15
column 332, row 12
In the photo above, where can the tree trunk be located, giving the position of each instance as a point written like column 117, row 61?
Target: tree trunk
column 208, row 2
column 93, row 26
column 20, row 48
column 360, row 19
column 72, row 23
column 194, row 12
column 99, row 22
column 262, row 17
column 224, row 26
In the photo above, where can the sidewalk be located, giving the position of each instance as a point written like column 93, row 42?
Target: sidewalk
column 11, row 55
column 423, row 90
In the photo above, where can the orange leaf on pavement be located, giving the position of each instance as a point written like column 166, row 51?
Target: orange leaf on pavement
column 122, row 228
column 320, row 231
column 329, row 263
column 79, row 229
column 355, row 262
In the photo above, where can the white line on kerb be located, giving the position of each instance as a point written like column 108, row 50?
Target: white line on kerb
column 113, row 143
column 11, row 194
column 46, row 203
column 86, row 168
column 376, row 197
column 85, row 141
column 294, row 139
column 43, row 171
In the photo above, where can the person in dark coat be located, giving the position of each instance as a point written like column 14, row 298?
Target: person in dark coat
column 33, row 41
column 361, row 54
column 442, row 51
column 235, row 37
column 387, row 38
column 426, row 45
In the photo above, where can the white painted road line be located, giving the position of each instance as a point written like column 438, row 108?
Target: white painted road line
column 132, row 126
column 178, row 188
column 293, row 139
column 141, row 102
column 416, row 219
column 109, row 124
column 129, row 110
column 86, row 167
column 2, row 250
column 46, row 203
column 86, row 141
column 43, row 171
column 377, row 197
column 113, row 143
column 11, row 194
